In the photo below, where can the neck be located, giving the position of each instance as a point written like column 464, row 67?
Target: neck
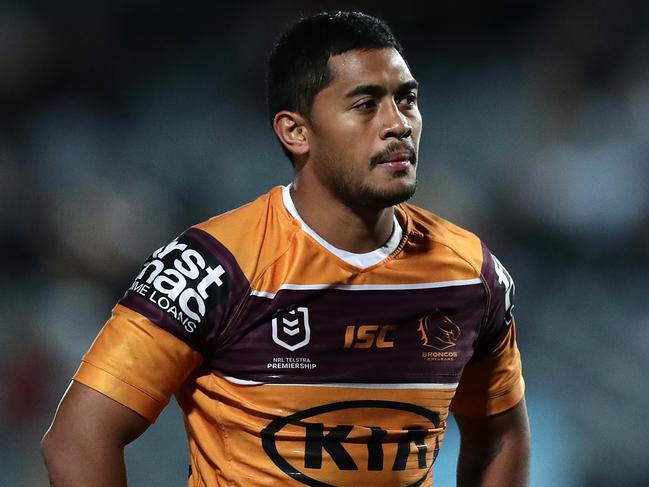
column 351, row 229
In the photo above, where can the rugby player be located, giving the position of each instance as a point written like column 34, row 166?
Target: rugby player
column 321, row 334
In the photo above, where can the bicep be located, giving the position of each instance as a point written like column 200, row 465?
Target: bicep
column 85, row 415
column 484, row 429
column 494, row 450
column 85, row 444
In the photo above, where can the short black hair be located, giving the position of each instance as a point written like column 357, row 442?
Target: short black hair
column 298, row 63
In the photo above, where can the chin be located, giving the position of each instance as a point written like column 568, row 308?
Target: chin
column 384, row 197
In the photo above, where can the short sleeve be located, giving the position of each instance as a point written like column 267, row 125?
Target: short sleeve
column 492, row 380
column 136, row 363
column 165, row 324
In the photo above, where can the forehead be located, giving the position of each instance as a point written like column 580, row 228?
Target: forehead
column 375, row 66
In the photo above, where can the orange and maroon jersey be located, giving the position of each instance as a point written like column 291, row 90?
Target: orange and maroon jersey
column 293, row 366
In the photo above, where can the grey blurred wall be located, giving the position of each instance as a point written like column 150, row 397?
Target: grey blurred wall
column 122, row 123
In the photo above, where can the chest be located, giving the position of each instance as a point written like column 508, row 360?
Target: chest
column 420, row 334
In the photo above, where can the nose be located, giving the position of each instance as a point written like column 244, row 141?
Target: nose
column 395, row 123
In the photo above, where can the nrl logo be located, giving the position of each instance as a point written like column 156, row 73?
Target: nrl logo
column 291, row 328
column 441, row 335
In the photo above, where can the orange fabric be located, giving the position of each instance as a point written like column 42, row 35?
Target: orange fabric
column 263, row 233
column 227, row 451
column 491, row 385
column 136, row 363
column 141, row 365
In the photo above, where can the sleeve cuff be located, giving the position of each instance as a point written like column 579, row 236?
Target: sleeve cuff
column 120, row 391
column 495, row 404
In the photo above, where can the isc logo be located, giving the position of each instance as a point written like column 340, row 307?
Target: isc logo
column 368, row 336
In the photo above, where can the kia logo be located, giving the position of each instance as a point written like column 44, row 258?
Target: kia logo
column 356, row 450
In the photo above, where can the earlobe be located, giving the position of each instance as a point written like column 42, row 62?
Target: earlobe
column 292, row 132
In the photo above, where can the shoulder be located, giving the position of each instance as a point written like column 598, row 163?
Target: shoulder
column 252, row 234
column 468, row 255
column 237, row 220
column 461, row 243
column 206, row 270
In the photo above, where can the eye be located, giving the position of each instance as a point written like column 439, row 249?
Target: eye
column 366, row 105
column 410, row 99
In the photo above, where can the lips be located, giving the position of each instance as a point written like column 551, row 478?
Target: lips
column 395, row 155
column 399, row 156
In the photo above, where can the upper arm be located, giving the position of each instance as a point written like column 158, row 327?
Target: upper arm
column 487, row 428
column 86, row 416
column 494, row 450
column 159, row 331
column 492, row 380
column 85, row 444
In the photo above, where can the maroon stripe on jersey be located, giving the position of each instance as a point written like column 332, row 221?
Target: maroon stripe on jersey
column 488, row 271
column 209, row 283
column 360, row 336
column 221, row 314
column 500, row 299
column 158, row 316
column 220, row 251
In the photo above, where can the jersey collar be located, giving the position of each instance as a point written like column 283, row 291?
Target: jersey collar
column 362, row 261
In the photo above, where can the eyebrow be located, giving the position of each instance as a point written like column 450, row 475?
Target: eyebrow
column 379, row 90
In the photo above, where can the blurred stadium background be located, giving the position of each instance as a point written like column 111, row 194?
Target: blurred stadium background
column 124, row 122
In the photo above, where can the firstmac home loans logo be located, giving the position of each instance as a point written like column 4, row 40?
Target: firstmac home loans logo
column 184, row 280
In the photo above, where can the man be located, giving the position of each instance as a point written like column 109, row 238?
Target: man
column 320, row 334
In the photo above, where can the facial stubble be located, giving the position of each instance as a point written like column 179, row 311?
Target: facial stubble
column 370, row 196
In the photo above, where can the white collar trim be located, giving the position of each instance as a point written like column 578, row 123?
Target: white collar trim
column 361, row 261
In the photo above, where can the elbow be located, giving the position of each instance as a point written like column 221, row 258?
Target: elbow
column 54, row 453
column 49, row 448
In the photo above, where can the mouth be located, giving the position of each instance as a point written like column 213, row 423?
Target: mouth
column 400, row 165
column 395, row 160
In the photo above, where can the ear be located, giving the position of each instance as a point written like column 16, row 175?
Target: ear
column 292, row 131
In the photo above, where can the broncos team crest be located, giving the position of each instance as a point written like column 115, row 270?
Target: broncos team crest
column 291, row 328
column 441, row 334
